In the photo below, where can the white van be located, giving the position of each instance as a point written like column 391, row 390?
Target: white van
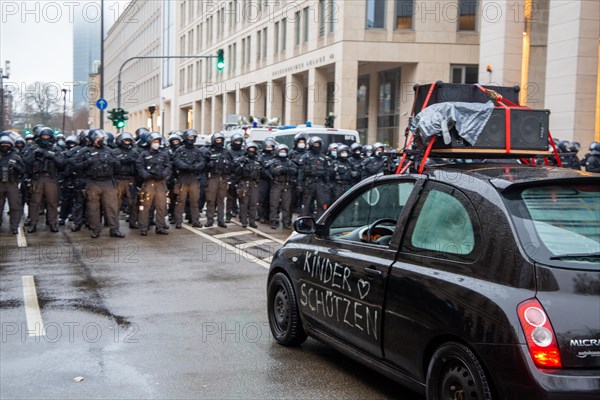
column 252, row 134
column 329, row 135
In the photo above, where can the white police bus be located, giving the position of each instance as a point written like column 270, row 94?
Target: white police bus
column 329, row 135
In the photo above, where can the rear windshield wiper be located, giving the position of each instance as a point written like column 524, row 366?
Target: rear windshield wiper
column 582, row 255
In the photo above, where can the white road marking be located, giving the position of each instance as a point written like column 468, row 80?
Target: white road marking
column 35, row 325
column 232, row 234
column 229, row 247
column 274, row 239
column 253, row 243
column 21, row 240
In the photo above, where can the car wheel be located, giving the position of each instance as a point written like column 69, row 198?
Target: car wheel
column 284, row 315
column 455, row 373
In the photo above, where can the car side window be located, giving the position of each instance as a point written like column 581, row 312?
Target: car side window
column 381, row 204
column 444, row 224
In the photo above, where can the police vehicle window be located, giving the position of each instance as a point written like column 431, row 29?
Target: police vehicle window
column 565, row 218
column 443, row 225
column 380, row 202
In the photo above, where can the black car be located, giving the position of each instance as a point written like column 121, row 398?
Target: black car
column 465, row 282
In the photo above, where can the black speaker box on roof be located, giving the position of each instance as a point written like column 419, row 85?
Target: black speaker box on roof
column 445, row 92
column 528, row 131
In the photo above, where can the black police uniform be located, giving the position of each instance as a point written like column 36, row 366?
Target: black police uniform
column 593, row 162
column 101, row 191
column 295, row 155
column 188, row 161
column 265, row 186
column 43, row 164
column 283, row 173
column 126, row 181
column 153, row 168
column 219, row 163
column 343, row 174
column 313, row 182
column 12, row 169
column 248, row 172
column 372, row 165
column 236, row 151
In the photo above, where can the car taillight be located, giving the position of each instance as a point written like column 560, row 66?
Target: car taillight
column 541, row 340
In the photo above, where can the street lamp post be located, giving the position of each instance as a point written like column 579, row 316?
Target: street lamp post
column 6, row 71
column 64, row 109
column 152, row 110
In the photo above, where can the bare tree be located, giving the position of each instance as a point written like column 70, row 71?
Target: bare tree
column 80, row 119
column 42, row 101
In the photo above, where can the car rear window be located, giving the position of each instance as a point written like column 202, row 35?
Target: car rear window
column 565, row 221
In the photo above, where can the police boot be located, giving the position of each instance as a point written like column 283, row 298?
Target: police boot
column 95, row 234
column 32, row 229
column 54, row 228
column 117, row 234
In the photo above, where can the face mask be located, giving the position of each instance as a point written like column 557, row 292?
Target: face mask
column 61, row 143
column 301, row 145
column 219, row 144
column 45, row 142
column 315, row 149
column 334, row 154
column 369, row 154
column 251, row 154
column 344, row 155
column 378, row 154
column 357, row 153
column 282, row 155
column 268, row 150
column 4, row 149
column 99, row 143
column 155, row 146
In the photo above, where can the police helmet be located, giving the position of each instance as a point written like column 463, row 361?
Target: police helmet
column 280, row 147
column 332, row 146
column 595, row 148
column 378, row 145
column 72, row 139
column 45, row 131
column 4, row 140
column 96, row 134
column 574, row 147
column 216, row 136
column 269, row 142
column 251, row 145
column 36, row 129
column 20, row 142
column 178, row 133
column 5, row 133
column 367, row 149
column 592, row 145
column 154, row 136
column 59, row 137
column 139, row 132
column 190, row 135
column 313, row 140
column 124, row 136
column 173, row 137
column 300, row 136
column 29, row 137
column 356, row 146
column 238, row 140
column 563, row 146
column 110, row 139
column 343, row 148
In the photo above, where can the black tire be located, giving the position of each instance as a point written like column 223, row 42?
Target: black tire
column 284, row 315
column 455, row 373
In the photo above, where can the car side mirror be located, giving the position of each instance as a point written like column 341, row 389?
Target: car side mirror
column 305, row 225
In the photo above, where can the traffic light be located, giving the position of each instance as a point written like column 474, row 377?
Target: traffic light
column 329, row 120
column 112, row 115
column 27, row 132
column 220, row 60
column 121, row 118
column 118, row 116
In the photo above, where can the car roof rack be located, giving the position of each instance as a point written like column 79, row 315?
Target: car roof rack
column 419, row 156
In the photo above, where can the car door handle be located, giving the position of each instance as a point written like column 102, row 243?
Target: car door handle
column 373, row 272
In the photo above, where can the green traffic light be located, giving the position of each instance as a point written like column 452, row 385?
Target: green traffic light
column 220, row 59
column 121, row 124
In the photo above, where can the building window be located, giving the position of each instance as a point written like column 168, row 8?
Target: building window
column 191, row 42
column 322, row 16
column 283, row 34
column 331, row 13
column 376, row 13
column 276, row 38
column 248, row 49
column 298, row 27
column 234, row 58
column 404, row 14
column 258, row 43
column 264, row 35
column 388, row 107
column 467, row 15
column 362, row 108
column 306, row 21
column 199, row 74
column 464, row 74
column 243, row 52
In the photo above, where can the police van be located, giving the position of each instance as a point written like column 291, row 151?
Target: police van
column 329, row 135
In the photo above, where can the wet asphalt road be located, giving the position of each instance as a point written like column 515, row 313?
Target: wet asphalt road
column 165, row 317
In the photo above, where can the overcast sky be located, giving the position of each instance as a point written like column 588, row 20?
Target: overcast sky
column 37, row 37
